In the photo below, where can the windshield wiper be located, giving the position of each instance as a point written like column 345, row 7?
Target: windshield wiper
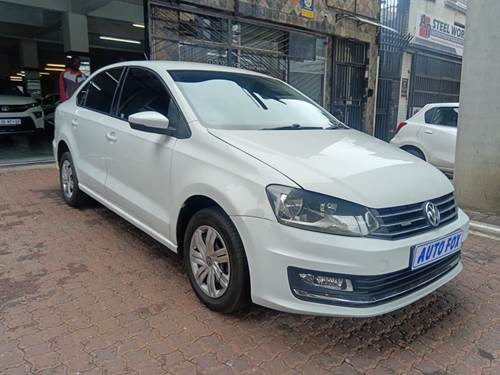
column 294, row 127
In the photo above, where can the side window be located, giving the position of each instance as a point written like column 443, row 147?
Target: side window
column 102, row 89
column 446, row 116
column 82, row 95
column 144, row 91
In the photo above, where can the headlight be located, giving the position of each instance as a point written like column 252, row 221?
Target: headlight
column 321, row 213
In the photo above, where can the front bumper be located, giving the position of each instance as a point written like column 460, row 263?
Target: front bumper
column 30, row 122
column 273, row 248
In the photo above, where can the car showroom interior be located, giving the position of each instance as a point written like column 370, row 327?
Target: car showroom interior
column 37, row 40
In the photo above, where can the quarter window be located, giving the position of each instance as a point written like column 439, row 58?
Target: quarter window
column 446, row 116
column 102, row 89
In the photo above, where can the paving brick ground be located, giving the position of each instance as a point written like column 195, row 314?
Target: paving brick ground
column 82, row 291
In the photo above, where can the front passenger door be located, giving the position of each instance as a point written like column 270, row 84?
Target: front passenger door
column 139, row 162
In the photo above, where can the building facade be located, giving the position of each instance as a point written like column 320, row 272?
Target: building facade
column 325, row 48
column 425, row 66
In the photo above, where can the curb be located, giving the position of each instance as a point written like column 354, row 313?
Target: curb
column 488, row 229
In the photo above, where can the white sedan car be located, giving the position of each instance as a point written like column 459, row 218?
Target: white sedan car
column 266, row 195
column 431, row 135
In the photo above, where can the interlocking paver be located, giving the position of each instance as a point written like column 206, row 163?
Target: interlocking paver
column 81, row 290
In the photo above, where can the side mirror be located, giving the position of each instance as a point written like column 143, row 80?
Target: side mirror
column 150, row 122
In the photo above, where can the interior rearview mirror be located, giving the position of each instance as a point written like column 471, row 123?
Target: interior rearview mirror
column 150, row 122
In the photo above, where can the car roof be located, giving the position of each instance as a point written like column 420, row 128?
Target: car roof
column 182, row 65
column 433, row 105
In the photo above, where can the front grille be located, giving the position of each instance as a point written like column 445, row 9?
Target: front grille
column 373, row 290
column 15, row 108
column 408, row 220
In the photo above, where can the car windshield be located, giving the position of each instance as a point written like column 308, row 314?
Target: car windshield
column 8, row 88
column 237, row 101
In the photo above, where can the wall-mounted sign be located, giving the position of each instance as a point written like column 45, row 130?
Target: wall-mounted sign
column 404, row 87
column 307, row 8
column 437, row 34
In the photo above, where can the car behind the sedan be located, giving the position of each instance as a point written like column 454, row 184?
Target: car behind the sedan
column 431, row 135
column 267, row 196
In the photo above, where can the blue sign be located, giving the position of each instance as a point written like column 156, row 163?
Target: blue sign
column 307, row 8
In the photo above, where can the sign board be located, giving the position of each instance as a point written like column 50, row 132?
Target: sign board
column 307, row 8
column 438, row 34
column 404, row 87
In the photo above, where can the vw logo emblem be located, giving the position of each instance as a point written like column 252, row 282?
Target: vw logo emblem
column 432, row 214
column 5, row 108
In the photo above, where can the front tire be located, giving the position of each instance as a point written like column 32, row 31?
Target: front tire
column 215, row 261
column 71, row 193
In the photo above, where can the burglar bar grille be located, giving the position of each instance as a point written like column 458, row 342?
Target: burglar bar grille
column 291, row 56
column 349, row 82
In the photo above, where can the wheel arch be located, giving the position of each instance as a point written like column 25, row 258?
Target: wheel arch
column 190, row 206
column 62, row 147
column 407, row 147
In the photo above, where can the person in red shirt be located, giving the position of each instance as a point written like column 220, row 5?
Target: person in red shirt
column 70, row 79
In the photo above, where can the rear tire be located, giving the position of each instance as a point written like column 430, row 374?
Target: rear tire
column 68, row 180
column 215, row 261
column 415, row 151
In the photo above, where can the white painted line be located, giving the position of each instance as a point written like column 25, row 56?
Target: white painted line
column 480, row 234
column 489, row 229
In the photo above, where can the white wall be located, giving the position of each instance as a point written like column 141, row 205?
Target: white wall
column 477, row 171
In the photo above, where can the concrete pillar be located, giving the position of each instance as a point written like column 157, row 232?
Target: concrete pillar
column 75, row 33
column 30, row 65
column 477, row 164
column 29, row 54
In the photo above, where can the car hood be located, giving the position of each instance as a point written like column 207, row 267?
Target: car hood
column 15, row 100
column 344, row 163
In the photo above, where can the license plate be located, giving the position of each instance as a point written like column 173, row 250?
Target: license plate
column 10, row 121
column 434, row 250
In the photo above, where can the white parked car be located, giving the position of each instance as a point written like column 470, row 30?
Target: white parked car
column 19, row 114
column 266, row 195
column 431, row 135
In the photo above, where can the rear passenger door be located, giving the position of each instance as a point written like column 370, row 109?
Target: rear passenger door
column 439, row 135
column 94, row 105
column 138, row 180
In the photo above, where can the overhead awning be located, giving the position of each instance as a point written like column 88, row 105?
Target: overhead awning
column 361, row 19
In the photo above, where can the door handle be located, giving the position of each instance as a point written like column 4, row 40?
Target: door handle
column 111, row 137
column 74, row 123
column 428, row 131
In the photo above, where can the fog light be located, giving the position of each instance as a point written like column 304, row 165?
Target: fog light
column 328, row 282
column 38, row 114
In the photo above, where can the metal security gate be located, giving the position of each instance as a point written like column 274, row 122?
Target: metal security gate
column 202, row 36
column 348, row 87
column 436, row 79
column 394, row 14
